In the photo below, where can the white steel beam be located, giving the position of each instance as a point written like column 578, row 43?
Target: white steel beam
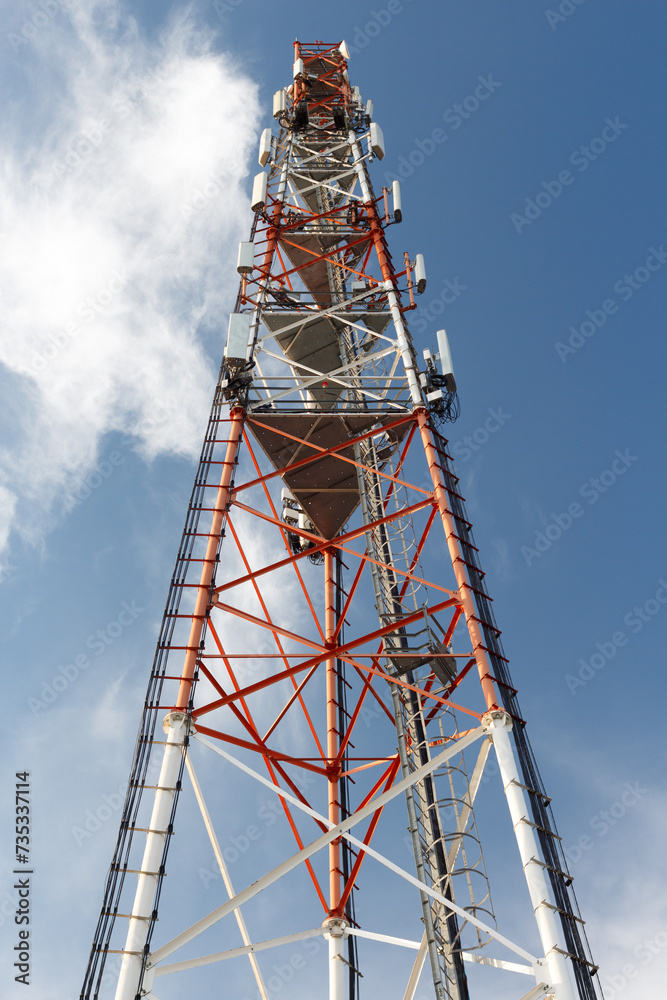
column 497, row 963
column 224, row 871
column 329, row 376
column 392, row 297
column 175, row 726
column 498, row 724
column 307, row 852
column 371, row 852
column 324, row 184
column 417, row 969
column 541, row 992
column 221, row 956
column 332, row 311
column 386, row 938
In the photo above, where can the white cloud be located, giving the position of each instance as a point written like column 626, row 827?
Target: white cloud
column 121, row 203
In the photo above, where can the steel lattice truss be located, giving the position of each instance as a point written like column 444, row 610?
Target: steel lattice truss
column 313, row 649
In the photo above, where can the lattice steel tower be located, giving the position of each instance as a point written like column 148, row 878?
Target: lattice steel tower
column 322, row 493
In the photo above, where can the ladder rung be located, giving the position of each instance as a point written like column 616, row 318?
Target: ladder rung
column 159, row 788
column 508, row 687
column 576, row 958
column 526, row 788
column 145, row 829
column 119, row 951
column 465, row 541
column 134, row 871
column 482, row 622
column 565, row 913
column 568, row 879
column 494, row 652
column 542, row 829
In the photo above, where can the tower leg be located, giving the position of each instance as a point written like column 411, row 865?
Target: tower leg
column 175, row 726
column 498, row 725
column 337, row 967
column 335, row 924
column 458, row 562
column 332, row 731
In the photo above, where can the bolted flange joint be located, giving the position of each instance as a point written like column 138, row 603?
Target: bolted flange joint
column 335, row 927
column 495, row 719
column 174, row 719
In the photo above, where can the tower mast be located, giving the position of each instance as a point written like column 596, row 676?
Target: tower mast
column 312, row 647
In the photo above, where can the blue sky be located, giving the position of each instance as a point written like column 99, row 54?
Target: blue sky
column 529, row 140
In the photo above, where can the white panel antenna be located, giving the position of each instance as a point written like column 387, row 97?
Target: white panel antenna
column 446, row 360
column 259, row 191
column 377, row 141
column 279, row 103
column 420, row 273
column 396, row 197
column 246, row 258
column 238, row 336
column 265, row 144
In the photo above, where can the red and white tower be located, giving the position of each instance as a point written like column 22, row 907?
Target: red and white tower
column 329, row 659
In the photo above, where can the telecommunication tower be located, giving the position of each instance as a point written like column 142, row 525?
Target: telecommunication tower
column 313, row 650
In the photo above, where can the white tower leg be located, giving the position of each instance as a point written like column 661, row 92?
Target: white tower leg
column 175, row 726
column 337, row 967
column 498, row 725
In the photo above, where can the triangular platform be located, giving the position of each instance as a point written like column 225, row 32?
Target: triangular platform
column 326, row 487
